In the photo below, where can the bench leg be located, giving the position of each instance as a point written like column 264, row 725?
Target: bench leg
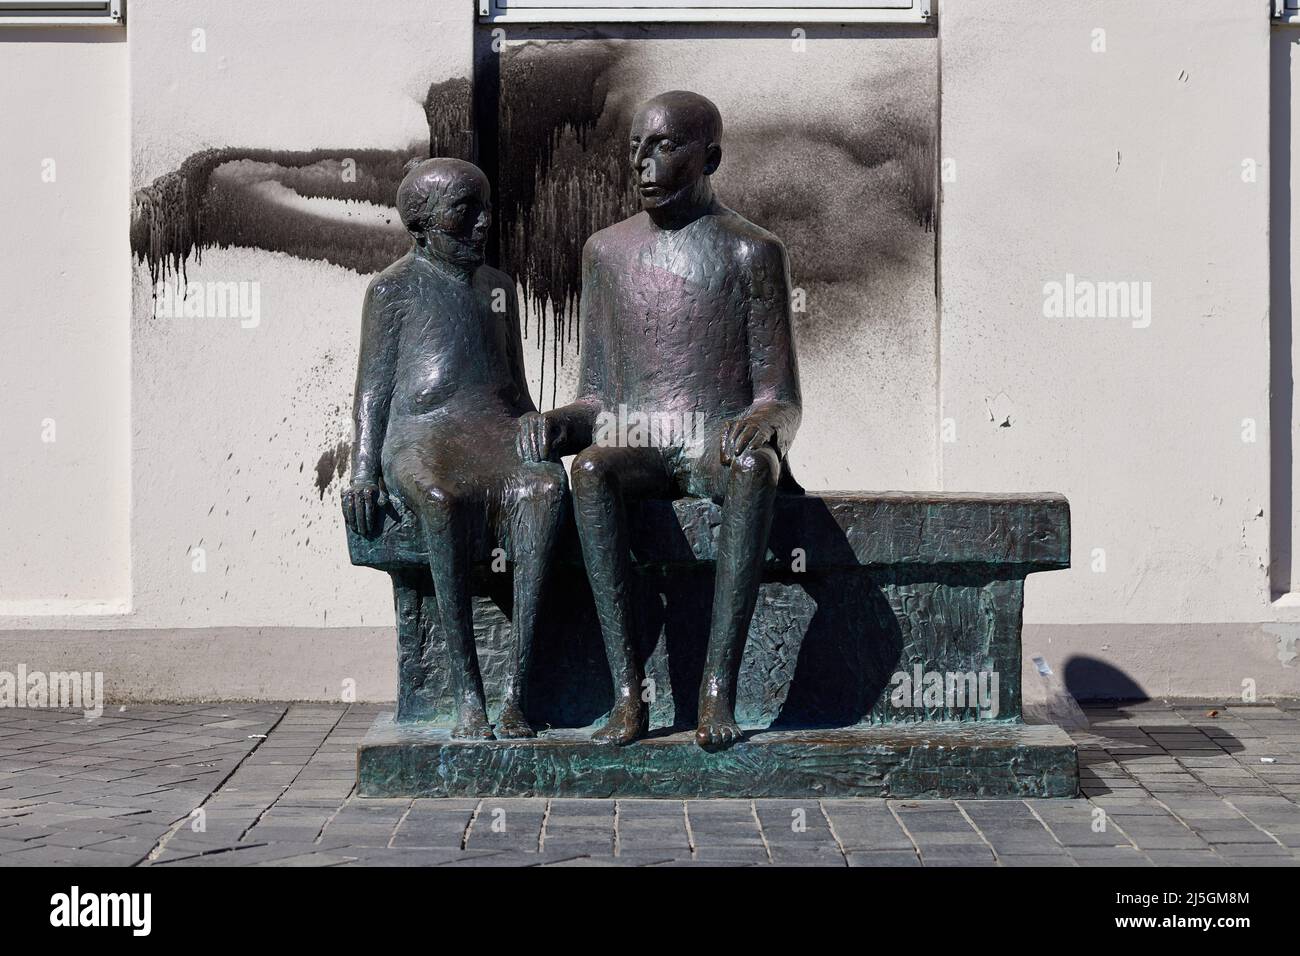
column 410, row 639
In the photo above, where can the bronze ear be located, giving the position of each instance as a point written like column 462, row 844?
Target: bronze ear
column 713, row 160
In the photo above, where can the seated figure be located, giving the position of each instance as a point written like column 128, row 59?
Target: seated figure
column 685, row 316
column 440, row 388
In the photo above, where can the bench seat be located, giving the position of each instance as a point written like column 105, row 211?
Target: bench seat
column 859, row 589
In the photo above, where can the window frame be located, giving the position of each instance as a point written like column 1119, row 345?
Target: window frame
column 703, row 11
column 62, row 13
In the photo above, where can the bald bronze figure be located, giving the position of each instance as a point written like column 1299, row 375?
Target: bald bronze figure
column 439, row 394
column 685, row 317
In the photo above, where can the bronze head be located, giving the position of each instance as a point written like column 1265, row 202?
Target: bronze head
column 446, row 206
column 676, row 145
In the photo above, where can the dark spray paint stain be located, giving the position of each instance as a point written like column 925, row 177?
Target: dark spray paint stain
column 562, row 127
column 562, row 176
column 449, row 110
column 561, row 131
column 213, row 199
column 332, row 464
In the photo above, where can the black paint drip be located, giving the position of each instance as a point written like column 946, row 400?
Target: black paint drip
column 193, row 208
column 562, row 176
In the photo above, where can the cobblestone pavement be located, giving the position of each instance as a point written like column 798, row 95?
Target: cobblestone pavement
column 271, row 784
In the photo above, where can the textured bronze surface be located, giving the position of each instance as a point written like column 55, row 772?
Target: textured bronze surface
column 440, row 390
column 932, row 760
column 698, row 587
column 685, row 318
column 892, row 581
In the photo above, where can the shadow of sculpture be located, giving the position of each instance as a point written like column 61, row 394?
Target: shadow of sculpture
column 1121, row 747
column 1087, row 678
column 848, row 654
column 821, row 646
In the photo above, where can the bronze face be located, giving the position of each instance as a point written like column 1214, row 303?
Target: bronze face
column 446, row 205
column 674, row 148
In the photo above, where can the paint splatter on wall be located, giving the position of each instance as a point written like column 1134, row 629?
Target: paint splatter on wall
column 838, row 160
column 837, row 157
column 562, row 176
column 332, row 465
column 332, row 205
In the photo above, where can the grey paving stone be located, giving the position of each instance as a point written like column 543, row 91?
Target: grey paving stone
column 1010, row 827
column 709, row 863
column 493, row 858
column 1261, row 859
column 581, row 808
column 883, row 858
column 1237, row 850
column 1108, row 856
column 1036, row 859
column 283, row 833
column 970, row 850
column 116, row 790
column 799, row 824
column 1185, row 858
column 1223, row 835
column 244, row 855
column 645, row 837
column 651, row 810
column 1166, row 838
column 1130, row 804
column 508, row 825
column 421, row 857
column 79, row 839
column 726, row 823
column 649, row 859
column 585, row 844
column 732, row 854
column 433, row 828
column 866, row 825
column 818, row 855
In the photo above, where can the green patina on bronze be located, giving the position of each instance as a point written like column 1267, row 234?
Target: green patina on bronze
column 925, row 760
column 891, row 582
column 696, row 584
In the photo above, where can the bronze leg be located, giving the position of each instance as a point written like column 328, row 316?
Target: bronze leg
column 539, row 512
column 602, row 478
column 742, row 546
column 443, row 521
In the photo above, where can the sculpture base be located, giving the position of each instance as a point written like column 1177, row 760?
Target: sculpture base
column 933, row 759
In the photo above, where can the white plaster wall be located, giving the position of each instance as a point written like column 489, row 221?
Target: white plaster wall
column 1122, row 164
column 65, row 272
column 231, row 421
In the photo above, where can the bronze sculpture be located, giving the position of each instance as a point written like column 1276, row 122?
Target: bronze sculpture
column 688, row 401
column 685, row 314
column 440, row 388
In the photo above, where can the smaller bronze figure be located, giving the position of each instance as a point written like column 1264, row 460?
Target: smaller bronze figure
column 439, row 394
